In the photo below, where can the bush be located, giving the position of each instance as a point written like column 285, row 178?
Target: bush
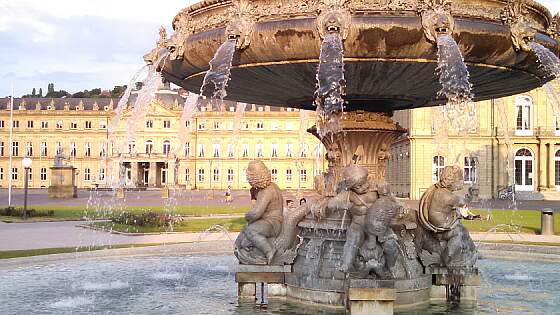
column 31, row 213
column 147, row 219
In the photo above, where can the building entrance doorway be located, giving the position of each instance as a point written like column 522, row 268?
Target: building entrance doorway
column 524, row 169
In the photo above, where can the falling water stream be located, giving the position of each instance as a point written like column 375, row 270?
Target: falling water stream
column 217, row 78
column 329, row 97
column 547, row 58
column 124, row 100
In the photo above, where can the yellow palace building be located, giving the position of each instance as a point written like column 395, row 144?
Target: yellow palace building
column 525, row 125
column 215, row 154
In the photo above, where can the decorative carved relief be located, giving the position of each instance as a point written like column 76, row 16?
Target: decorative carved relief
column 436, row 18
column 521, row 31
column 334, row 17
column 183, row 26
column 554, row 29
column 241, row 24
column 384, row 5
column 162, row 43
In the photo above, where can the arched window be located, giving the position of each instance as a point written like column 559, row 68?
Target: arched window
column 470, row 169
column 438, row 164
column 524, row 170
column 166, row 147
column 149, row 146
column 523, row 109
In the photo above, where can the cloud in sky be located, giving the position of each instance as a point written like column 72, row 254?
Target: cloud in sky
column 82, row 44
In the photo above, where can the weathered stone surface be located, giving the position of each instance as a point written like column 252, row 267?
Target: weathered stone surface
column 257, row 277
column 372, row 294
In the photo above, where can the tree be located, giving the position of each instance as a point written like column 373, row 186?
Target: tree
column 34, row 92
column 40, row 92
column 50, row 88
column 118, row 91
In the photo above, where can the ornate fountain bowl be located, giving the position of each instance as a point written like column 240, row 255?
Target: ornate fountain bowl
column 389, row 48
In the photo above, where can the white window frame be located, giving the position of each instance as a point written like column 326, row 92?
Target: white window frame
column 437, row 167
column 525, row 104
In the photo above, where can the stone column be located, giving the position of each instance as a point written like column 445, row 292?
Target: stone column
column 542, row 167
column 134, row 170
column 152, row 175
column 551, row 168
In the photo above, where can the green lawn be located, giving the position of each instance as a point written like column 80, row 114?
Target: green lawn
column 81, row 212
column 189, row 225
column 524, row 221
column 63, row 250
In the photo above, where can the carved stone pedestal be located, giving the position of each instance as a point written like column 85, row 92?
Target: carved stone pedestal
column 63, row 182
column 366, row 140
column 455, row 285
column 258, row 283
column 364, row 301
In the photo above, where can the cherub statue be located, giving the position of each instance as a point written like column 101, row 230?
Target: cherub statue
column 254, row 244
column 439, row 217
column 356, row 198
column 59, row 159
column 380, row 250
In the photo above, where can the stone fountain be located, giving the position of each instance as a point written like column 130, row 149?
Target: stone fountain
column 357, row 61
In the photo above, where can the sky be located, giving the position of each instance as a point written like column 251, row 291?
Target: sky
column 84, row 44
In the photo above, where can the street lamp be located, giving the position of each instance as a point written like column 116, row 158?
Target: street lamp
column 26, row 162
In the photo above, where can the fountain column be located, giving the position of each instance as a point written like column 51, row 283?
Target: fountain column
column 365, row 140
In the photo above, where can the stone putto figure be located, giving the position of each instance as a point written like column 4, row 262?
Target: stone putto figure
column 255, row 243
column 355, row 199
column 441, row 231
column 59, row 159
column 380, row 250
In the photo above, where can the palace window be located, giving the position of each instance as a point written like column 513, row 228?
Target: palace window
column 188, row 124
column 15, row 124
column 289, row 150
column 557, row 126
column 102, row 124
column 1, row 124
column 101, row 174
column 245, row 125
column 43, row 174
column 216, row 175
column 188, row 149
column 274, row 150
column 1, row 173
column 260, row 108
column 149, row 123
column 200, row 150
column 470, row 169
column 230, row 149
column 289, row 175
column 87, row 149
column 245, row 149
column 148, row 146
column 87, row 174
column 201, row 175
column 274, row 175
column 59, row 147
column 14, row 173
column 260, row 150
column 232, row 108
column 1, row 148
column 230, row 175
column 30, row 174
column 167, row 124
column 201, row 125
column 274, row 125
column 59, row 124
column 73, row 149
column 166, row 147
column 30, row 124
column 216, row 125
column 44, row 150
column 102, row 151
column 289, row 126
column 216, row 150
column 304, row 149
column 74, row 125
column 88, row 124
column 438, row 164
column 44, row 124
column 260, row 125
column 15, row 148
column 523, row 107
column 303, row 175
column 187, row 175
column 131, row 147
column 29, row 149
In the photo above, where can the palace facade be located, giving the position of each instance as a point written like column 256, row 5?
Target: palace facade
column 145, row 151
column 514, row 141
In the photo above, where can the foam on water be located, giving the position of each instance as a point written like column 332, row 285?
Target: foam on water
column 73, row 302
column 107, row 286
column 549, row 61
column 167, row 276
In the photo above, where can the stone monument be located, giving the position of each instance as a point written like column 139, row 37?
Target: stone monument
column 63, row 178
